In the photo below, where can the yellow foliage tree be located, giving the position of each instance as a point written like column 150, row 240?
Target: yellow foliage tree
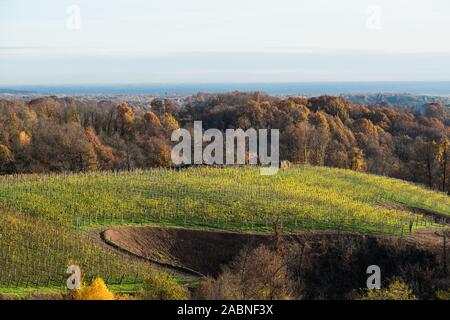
column 96, row 291
column 161, row 286
column 357, row 160
column 169, row 122
column 24, row 138
column 397, row 290
column 152, row 119
column 6, row 159
column 442, row 157
column 443, row 295
column 125, row 118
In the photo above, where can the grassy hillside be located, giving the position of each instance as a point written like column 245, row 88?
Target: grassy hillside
column 34, row 253
column 45, row 219
column 232, row 198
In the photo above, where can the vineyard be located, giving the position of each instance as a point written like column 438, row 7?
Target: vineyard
column 45, row 220
column 36, row 254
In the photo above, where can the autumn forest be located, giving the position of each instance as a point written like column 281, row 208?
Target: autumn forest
column 51, row 134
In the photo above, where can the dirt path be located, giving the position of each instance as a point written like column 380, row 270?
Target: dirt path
column 104, row 241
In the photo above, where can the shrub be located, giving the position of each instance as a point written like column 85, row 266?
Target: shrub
column 124, row 297
column 161, row 286
column 443, row 295
column 96, row 291
column 258, row 273
column 397, row 290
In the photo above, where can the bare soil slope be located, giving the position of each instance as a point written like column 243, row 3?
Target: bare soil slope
column 205, row 252
column 202, row 252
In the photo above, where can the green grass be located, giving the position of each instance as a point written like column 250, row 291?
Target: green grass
column 45, row 218
column 26, row 292
column 34, row 253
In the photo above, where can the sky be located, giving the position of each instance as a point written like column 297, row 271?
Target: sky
column 177, row 41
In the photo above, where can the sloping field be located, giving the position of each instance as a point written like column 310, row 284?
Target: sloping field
column 224, row 198
column 46, row 220
column 34, row 253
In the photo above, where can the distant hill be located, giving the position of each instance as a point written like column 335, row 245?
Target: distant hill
column 393, row 99
column 13, row 91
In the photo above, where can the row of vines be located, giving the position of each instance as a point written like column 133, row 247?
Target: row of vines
column 46, row 219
